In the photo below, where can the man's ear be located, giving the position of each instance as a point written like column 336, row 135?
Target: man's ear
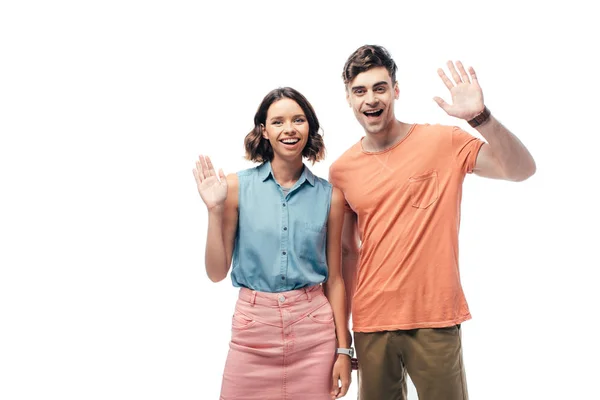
column 396, row 91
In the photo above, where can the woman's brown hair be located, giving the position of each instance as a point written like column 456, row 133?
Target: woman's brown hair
column 259, row 149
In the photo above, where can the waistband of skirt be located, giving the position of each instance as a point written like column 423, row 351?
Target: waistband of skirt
column 280, row 298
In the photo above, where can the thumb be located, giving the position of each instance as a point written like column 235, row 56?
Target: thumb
column 335, row 389
column 440, row 102
column 221, row 174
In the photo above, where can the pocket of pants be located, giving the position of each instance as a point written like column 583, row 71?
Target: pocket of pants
column 423, row 189
column 322, row 315
column 241, row 321
column 452, row 329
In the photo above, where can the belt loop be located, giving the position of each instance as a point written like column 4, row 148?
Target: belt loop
column 308, row 296
column 253, row 298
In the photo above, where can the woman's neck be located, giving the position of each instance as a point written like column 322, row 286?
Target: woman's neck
column 285, row 172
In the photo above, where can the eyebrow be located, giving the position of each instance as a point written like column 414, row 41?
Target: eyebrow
column 364, row 87
column 280, row 116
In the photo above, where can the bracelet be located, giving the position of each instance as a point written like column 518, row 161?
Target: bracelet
column 480, row 118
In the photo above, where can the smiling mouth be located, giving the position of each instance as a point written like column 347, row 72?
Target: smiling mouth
column 290, row 142
column 373, row 113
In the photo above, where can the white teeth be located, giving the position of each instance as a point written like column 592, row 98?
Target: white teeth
column 290, row 141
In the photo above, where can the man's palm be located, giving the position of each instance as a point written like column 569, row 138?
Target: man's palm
column 467, row 96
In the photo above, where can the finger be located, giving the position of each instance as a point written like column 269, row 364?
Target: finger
column 200, row 168
column 345, row 387
column 199, row 171
column 463, row 73
column 196, row 177
column 442, row 103
column 454, row 73
column 335, row 390
column 335, row 393
column 222, row 176
column 445, row 79
column 473, row 76
column 210, row 170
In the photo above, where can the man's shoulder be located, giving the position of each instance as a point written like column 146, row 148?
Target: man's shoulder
column 431, row 136
column 435, row 128
column 346, row 156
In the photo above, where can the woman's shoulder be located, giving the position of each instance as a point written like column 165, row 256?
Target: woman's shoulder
column 318, row 181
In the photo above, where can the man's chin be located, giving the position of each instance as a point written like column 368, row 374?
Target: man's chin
column 374, row 129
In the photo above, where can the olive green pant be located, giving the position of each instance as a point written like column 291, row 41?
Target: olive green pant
column 431, row 357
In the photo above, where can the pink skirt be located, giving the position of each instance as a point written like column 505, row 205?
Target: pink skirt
column 282, row 347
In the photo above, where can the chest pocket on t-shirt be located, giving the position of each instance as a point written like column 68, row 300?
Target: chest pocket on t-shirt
column 423, row 189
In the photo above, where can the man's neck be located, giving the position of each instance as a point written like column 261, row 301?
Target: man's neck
column 383, row 140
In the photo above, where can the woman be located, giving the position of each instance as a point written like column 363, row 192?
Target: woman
column 279, row 227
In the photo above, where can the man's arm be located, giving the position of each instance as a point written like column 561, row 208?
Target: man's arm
column 504, row 157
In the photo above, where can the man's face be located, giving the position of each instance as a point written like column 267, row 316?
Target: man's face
column 371, row 95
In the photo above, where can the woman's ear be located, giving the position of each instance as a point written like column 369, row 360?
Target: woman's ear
column 263, row 132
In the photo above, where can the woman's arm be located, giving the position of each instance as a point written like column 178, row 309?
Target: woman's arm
column 336, row 292
column 221, row 198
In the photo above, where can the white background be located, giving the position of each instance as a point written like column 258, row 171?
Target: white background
column 104, row 107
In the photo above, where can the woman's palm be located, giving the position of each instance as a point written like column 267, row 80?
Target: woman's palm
column 212, row 188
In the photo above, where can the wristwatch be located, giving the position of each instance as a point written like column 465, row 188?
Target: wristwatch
column 480, row 118
column 348, row 352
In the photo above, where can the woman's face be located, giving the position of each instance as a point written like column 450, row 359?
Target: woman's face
column 286, row 128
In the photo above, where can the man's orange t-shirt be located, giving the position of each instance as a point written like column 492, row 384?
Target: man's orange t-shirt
column 407, row 200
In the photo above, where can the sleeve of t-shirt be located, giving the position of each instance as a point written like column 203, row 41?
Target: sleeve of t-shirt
column 347, row 207
column 333, row 179
column 465, row 149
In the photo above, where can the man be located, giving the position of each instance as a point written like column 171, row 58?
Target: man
column 403, row 184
